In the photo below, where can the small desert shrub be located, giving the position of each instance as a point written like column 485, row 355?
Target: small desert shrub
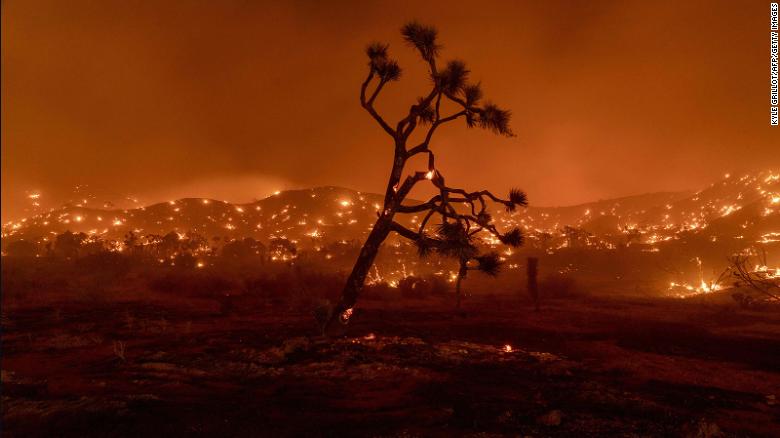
column 558, row 286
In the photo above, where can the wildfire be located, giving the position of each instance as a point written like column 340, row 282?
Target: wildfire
column 702, row 288
column 345, row 315
column 770, row 273
column 649, row 231
column 728, row 209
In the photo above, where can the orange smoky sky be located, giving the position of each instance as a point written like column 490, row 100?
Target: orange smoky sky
column 237, row 99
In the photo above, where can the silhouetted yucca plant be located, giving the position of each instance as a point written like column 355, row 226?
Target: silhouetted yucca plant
column 423, row 38
column 457, row 233
column 516, row 197
column 489, row 263
column 513, row 238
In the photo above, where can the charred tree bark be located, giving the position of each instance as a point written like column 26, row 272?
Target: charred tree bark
column 357, row 278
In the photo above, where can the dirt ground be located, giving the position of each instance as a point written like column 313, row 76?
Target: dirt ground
column 580, row 367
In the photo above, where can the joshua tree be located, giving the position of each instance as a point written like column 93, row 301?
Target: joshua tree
column 450, row 87
column 456, row 240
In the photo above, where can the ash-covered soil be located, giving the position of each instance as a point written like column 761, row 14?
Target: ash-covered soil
column 580, row 367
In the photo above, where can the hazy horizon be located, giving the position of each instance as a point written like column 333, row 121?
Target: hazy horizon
column 243, row 99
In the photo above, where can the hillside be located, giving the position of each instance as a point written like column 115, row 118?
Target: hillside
column 746, row 207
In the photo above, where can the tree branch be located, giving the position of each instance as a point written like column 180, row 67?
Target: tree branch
column 368, row 105
column 423, row 147
column 403, row 231
column 431, row 204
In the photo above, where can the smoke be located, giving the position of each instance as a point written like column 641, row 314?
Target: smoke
column 234, row 189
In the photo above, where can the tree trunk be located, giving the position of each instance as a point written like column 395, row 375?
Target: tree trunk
column 340, row 314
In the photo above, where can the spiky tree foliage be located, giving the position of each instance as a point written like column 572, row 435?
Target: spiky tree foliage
column 456, row 240
column 423, row 38
column 489, row 263
column 462, row 214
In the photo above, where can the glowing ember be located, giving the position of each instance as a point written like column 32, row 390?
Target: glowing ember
column 507, row 348
column 345, row 315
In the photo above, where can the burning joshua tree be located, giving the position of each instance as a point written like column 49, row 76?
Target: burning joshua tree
column 450, row 87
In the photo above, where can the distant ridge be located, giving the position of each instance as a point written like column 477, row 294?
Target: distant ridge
column 745, row 204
